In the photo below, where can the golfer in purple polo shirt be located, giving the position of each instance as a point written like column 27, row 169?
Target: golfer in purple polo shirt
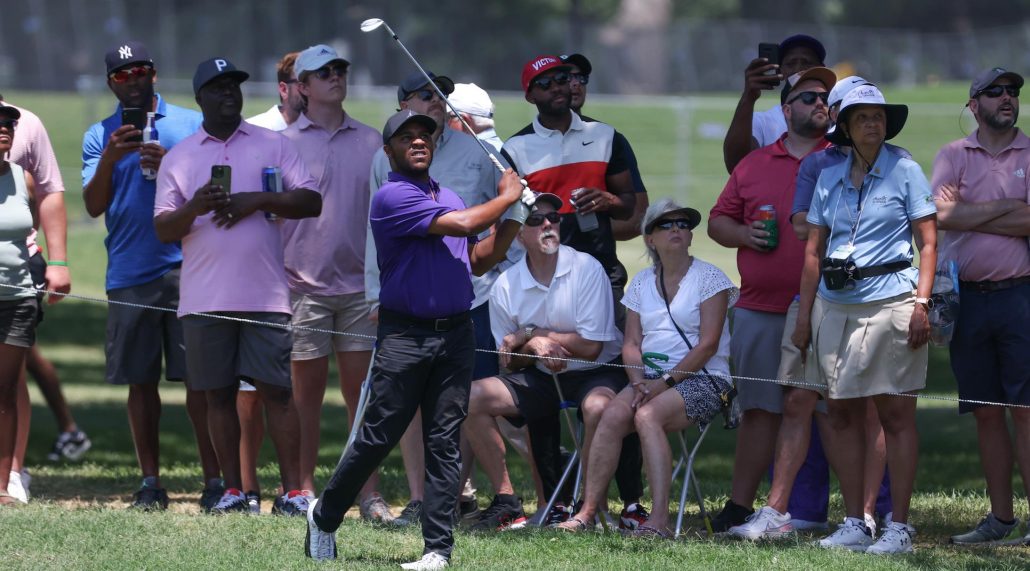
column 427, row 251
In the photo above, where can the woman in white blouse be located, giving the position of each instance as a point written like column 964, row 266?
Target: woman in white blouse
column 691, row 330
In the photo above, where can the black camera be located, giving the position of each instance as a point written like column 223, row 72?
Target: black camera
column 839, row 274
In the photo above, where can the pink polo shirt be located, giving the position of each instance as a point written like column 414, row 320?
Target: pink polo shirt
column 326, row 255
column 981, row 177
column 32, row 151
column 241, row 268
column 768, row 280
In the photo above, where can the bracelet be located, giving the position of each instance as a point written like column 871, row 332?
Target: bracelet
column 61, row 263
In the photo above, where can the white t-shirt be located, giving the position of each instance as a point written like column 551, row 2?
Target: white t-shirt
column 768, row 125
column 271, row 119
column 703, row 280
column 578, row 300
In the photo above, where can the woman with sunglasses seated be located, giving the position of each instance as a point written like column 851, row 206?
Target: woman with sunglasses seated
column 18, row 303
column 676, row 313
column 868, row 331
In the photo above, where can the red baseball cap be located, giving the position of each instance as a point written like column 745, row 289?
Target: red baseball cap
column 538, row 65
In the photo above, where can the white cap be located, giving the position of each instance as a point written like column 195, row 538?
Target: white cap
column 842, row 88
column 472, row 99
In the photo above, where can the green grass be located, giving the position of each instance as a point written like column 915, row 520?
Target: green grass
column 77, row 521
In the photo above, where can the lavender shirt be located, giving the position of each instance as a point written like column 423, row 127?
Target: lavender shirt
column 420, row 274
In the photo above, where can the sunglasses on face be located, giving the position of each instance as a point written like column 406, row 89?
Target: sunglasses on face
column 995, row 91
column 809, row 97
column 123, row 75
column 538, row 219
column 680, row 223
column 8, row 124
column 323, row 73
column 580, row 78
column 560, row 78
column 422, row 94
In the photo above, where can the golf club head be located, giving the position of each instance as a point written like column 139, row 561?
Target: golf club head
column 371, row 24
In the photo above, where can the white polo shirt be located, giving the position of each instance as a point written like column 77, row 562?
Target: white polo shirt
column 578, row 300
column 768, row 125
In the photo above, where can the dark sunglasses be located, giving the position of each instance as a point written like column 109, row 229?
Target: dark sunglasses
column 323, row 73
column 681, row 223
column 560, row 78
column 995, row 91
column 8, row 124
column 809, row 97
column 123, row 75
column 538, row 219
column 580, row 78
column 422, row 94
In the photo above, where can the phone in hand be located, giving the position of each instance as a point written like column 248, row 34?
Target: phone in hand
column 222, row 176
column 770, row 52
column 137, row 117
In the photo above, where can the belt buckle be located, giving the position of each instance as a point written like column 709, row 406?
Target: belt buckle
column 440, row 324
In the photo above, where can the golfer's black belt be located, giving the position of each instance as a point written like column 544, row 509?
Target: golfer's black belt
column 439, row 324
column 881, row 270
column 989, row 286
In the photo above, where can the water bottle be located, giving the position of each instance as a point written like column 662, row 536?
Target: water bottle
column 150, row 137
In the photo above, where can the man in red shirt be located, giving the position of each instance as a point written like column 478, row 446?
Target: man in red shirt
column 770, row 276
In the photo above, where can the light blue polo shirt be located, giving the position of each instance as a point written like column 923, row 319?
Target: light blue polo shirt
column 134, row 254
column 895, row 193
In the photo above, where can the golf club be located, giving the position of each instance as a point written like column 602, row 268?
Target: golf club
column 528, row 198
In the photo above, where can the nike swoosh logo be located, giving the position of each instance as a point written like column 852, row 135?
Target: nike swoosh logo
column 585, row 143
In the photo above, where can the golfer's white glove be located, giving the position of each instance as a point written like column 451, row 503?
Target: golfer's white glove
column 519, row 211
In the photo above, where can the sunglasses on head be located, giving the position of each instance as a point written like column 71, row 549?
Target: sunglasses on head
column 995, row 91
column 580, row 78
column 422, row 94
column 323, row 73
column 809, row 97
column 537, row 219
column 8, row 124
column 680, row 223
column 560, row 78
column 123, row 75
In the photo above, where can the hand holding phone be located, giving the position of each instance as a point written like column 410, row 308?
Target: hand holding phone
column 771, row 53
column 136, row 117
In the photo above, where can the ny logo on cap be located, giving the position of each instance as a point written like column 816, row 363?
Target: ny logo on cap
column 221, row 64
column 125, row 52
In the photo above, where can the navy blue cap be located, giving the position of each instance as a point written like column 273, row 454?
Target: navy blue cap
column 213, row 68
column 416, row 80
column 578, row 60
column 803, row 40
column 126, row 54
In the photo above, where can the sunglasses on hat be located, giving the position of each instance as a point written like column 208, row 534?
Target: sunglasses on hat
column 809, row 97
column 560, row 78
column 123, row 75
column 995, row 91
column 537, row 219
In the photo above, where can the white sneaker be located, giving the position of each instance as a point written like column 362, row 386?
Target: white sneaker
column 318, row 545
column 17, row 488
column 896, row 538
column 429, row 562
column 766, row 523
column 852, row 535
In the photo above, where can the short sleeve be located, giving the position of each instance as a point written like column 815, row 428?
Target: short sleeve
column 918, row 198
column 168, row 197
column 943, row 172
column 729, row 203
column 92, row 148
column 404, row 210
column 712, row 281
column 595, row 320
column 619, row 161
column 295, row 172
column 804, row 187
column 501, row 320
column 634, row 296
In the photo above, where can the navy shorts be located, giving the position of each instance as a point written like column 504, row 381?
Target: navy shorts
column 990, row 350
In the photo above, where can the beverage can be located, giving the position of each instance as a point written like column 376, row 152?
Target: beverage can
column 150, row 137
column 586, row 222
column 767, row 214
column 271, row 181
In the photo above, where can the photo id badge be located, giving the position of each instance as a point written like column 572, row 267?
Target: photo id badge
column 842, row 252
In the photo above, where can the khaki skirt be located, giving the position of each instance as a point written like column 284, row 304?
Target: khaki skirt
column 862, row 349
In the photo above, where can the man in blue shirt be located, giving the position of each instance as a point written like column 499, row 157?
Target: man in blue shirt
column 140, row 269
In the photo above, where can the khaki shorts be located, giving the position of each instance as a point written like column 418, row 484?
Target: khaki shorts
column 791, row 366
column 346, row 314
column 862, row 349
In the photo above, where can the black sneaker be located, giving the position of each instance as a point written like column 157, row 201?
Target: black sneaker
column 149, row 498
column 253, row 501
column 69, row 446
column 558, row 514
column 501, row 514
column 410, row 515
column 468, row 511
column 732, row 514
column 211, row 494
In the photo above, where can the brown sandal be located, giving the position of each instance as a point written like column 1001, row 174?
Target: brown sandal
column 573, row 525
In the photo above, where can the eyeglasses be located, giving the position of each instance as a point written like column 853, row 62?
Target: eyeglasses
column 580, row 78
column 538, row 219
column 422, row 94
column 323, row 73
column 680, row 223
column 560, row 78
column 809, row 97
column 8, row 124
column 123, row 75
column 995, row 91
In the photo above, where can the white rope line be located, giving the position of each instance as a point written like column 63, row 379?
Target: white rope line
column 570, row 360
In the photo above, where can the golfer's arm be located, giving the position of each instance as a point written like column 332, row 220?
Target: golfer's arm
column 472, row 220
column 490, row 251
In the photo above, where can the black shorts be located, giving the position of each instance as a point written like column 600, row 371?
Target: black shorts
column 18, row 321
column 137, row 338
column 220, row 352
column 536, row 397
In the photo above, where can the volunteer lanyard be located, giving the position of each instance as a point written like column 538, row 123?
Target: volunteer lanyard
column 853, row 220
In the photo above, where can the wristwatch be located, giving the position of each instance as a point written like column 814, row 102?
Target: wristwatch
column 527, row 331
column 669, row 380
column 926, row 302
